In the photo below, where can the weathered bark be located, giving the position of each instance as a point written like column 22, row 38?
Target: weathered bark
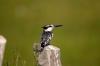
column 2, row 48
column 50, row 56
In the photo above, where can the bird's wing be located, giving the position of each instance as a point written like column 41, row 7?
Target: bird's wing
column 46, row 37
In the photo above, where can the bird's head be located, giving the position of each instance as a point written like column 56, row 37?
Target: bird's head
column 50, row 27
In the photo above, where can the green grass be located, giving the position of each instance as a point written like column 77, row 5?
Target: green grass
column 79, row 38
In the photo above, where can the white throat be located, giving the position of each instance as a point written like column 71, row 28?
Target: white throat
column 49, row 29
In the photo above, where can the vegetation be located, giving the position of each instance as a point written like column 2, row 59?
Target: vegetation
column 79, row 38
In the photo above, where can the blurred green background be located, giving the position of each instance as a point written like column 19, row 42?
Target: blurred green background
column 79, row 38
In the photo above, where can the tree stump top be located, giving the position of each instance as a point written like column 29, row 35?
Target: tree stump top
column 50, row 56
column 51, row 47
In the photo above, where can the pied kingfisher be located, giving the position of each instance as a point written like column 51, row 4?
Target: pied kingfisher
column 47, row 35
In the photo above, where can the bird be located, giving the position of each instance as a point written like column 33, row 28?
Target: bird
column 47, row 35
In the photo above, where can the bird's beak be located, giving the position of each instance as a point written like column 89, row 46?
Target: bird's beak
column 58, row 25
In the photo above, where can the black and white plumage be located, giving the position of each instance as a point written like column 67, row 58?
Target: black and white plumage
column 46, row 38
column 47, row 35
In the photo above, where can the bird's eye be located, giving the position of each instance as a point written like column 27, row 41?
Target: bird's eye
column 50, row 26
column 45, row 27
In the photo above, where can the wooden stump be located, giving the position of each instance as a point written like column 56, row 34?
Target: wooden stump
column 2, row 48
column 50, row 56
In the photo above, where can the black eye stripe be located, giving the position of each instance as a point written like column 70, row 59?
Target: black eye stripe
column 50, row 26
column 45, row 27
